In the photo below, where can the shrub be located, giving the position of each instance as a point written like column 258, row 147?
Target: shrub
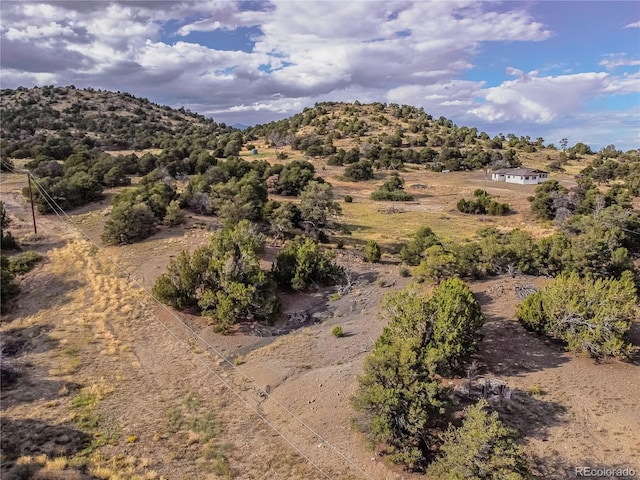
column 317, row 207
column 372, row 252
column 303, row 264
column 174, row 216
column 482, row 204
column 294, row 177
column 337, row 331
column 393, row 190
column 359, row 171
column 224, row 279
column 395, row 196
column 405, row 272
column 398, row 396
column 348, row 199
column 23, row 262
column 411, row 253
column 7, row 240
column 129, row 223
column 592, row 316
column 8, row 288
column 544, row 203
column 457, row 319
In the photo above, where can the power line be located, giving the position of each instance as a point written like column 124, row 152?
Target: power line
column 49, row 201
column 55, row 207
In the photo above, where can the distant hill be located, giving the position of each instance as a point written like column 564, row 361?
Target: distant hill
column 390, row 135
column 100, row 118
column 53, row 121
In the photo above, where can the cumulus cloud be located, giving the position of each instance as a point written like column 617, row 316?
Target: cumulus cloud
column 305, row 49
column 35, row 32
column 223, row 16
column 625, row 84
column 540, row 99
column 446, row 98
column 414, row 52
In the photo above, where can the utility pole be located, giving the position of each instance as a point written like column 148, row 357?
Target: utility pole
column 33, row 212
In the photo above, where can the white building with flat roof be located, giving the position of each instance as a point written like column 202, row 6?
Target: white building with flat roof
column 523, row 176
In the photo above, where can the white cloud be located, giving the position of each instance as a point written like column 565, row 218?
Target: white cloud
column 413, row 52
column 311, row 48
column 34, row 32
column 540, row 99
column 446, row 98
column 633, row 25
column 222, row 16
column 627, row 83
column 615, row 60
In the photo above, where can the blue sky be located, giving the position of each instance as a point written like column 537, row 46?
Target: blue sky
column 554, row 69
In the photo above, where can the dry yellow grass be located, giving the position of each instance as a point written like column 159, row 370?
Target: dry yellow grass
column 93, row 312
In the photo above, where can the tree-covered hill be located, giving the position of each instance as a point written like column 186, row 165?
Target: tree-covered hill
column 384, row 136
column 98, row 118
column 389, row 135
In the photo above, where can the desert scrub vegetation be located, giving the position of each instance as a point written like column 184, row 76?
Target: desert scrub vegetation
column 7, row 242
column 137, row 212
column 24, row 262
column 359, row 171
column 223, row 279
column 193, row 421
column 599, row 245
column 591, row 315
column 337, row 331
column 481, row 204
column 400, row 397
column 303, row 264
column 14, row 265
column 372, row 252
column 393, row 190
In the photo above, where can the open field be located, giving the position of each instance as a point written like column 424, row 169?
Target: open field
column 115, row 386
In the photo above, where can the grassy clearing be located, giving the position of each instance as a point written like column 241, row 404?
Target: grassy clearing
column 366, row 223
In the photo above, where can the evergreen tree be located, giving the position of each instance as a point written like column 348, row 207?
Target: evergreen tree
column 303, row 264
column 399, row 394
column 481, row 449
column 317, row 207
column 456, row 318
column 592, row 316
column 224, row 279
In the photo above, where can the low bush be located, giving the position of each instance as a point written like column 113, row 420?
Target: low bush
column 372, row 252
column 338, row 331
column 392, row 190
column 303, row 264
column 482, row 204
column 23, row 262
